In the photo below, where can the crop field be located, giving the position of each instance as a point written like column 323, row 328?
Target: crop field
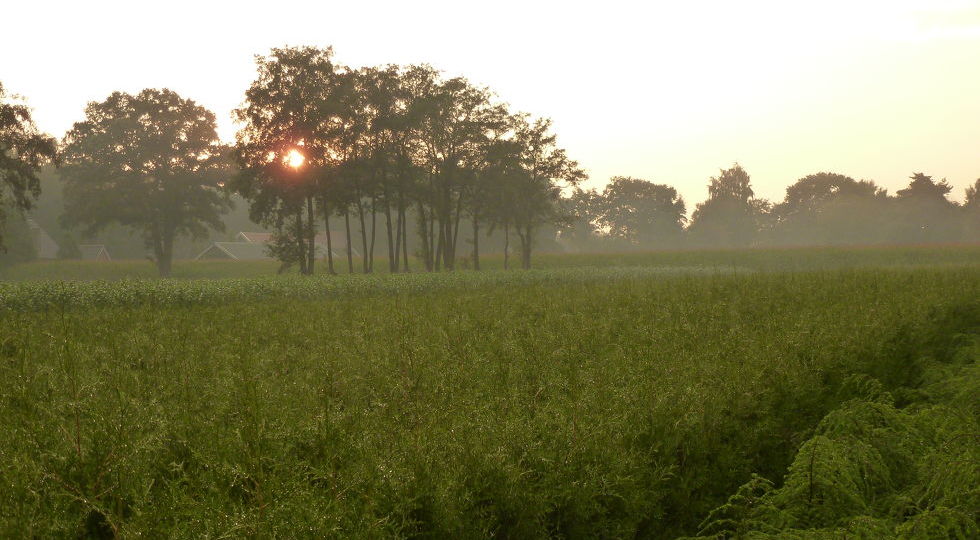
column 794, row 393
column 786, row 259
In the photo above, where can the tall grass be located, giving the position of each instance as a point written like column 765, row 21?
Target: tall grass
column 570, row 403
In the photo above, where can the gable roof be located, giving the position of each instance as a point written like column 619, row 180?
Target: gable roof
column 238, row 251
column 337, row 240
column 44, row 245
column 94, row 252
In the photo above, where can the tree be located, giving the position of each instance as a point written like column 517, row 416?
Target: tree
column 456, row 120
column 533, row 195
column 23, row 149
column 150, row 161
column 922, row 213
column 287, row 147
column 971, row 198
column 641, row 212
column 581, row 229
column 730, row 217
column 971, row 209
column 830, row 208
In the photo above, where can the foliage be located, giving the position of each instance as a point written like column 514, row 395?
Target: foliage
column 296, row 105
column 730, row 216
column 640, row 212
column 23, row 149
column 150, row 161
column 571, row 403
column 908, row 472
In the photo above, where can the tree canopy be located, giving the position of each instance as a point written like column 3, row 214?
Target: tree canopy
column 730, row 216
column 641, row 212
column 23, row 149
column 150, row 161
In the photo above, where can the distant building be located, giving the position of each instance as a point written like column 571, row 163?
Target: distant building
column 44, row 246
column 94, row 252
column 251, row 246
column 338, row 241
column 234, row 251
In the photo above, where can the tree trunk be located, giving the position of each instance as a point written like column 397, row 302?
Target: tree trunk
column 165, row 253
column 326, row 223
column 364, row 241
column 424, row 235
column 476, row 241
column 392, row 246
column 350, row 255
column 506, row 244
column 374, row 233
column 404, row 218
column 526, row 249
column 398, row 238
column 454, row 232
column 437, row 256
column 441, row 246
column 310, row 236
column 301, row 241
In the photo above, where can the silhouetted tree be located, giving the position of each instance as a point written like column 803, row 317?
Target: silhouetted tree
column 829, row 208
column 457, row 118
column 534, row 193
column 293, row 108
column 641, row 212
column 971, row 211
column 23, row 149
column 150, row 161
column 581, row 230
column 922, row 213
column 730, row 216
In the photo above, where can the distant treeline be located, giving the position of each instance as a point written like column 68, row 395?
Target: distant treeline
column 411, row 167
column 819, row 209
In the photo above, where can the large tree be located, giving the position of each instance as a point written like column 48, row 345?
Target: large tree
column 456, row 120
column 922, row 213
column 533, row 196
column 288, row 149
column 641, row 212
column 730, row 217
column 23, row 149
column 830, row 208
column 150, row 161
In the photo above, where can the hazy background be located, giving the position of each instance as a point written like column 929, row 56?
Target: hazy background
column 666, row 91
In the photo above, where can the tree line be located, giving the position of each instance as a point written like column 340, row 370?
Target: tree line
column 819, row 209
column 394, row 152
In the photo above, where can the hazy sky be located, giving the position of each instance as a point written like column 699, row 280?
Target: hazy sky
column 666, row 91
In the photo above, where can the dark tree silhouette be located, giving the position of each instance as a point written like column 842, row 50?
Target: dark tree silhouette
column 150, row 161
column 641, row 212
column 534, row 193
column 922, row 213
column 23, row 149
column 829, row 208
column 730, row 217
column 295, row 107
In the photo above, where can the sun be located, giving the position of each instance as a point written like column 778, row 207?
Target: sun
column 294, row 158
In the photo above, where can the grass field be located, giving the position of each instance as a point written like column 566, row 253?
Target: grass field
column 630, row 395
column 786, row 259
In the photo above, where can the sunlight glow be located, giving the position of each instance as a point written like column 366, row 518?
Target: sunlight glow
column 294, row 159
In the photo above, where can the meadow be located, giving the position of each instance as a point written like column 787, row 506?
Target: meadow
column 791, row 393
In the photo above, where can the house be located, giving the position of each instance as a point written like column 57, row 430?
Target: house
column 235, row 251
column 94, row 252
column 44, row 246
column 338, row 242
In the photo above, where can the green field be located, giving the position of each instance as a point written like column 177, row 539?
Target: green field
column 786, row 259
column 791, row 393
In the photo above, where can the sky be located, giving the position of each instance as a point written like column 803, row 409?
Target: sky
column 671, row 92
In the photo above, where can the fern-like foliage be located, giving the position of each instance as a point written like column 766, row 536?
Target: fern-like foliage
column 872, row 470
